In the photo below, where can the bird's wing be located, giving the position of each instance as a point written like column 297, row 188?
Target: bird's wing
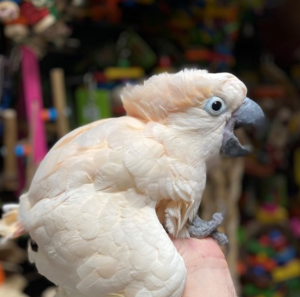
column 88, row 213
column 102, row 243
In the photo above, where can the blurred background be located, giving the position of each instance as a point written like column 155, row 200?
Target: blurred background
column 63, row 64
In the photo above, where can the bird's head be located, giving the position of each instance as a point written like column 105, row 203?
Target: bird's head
column 197, row 102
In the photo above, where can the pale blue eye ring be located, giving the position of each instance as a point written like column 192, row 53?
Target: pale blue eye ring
column 215, row 106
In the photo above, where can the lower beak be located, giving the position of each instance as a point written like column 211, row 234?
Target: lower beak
column 249, row 114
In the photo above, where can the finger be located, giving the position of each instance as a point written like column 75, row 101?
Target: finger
column 208, row 272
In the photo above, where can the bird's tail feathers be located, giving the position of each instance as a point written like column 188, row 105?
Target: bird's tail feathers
column 60, row 292
column 10, row 227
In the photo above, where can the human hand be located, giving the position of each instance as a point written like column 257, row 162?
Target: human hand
column 207, row 270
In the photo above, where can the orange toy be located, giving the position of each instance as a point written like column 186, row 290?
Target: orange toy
column 2, row 275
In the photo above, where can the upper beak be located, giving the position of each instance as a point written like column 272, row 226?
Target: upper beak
column 249, row 114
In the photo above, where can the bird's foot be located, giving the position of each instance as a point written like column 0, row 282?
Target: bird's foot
column 200, row 228
column 220, row 237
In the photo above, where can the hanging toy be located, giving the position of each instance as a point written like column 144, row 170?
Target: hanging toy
column 17, row 29
column 42, row 3
column 9, row 10
column 30, row 17
column 39, row 18
column 78, row 2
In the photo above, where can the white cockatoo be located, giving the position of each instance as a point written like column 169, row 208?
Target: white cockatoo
column 105, row 199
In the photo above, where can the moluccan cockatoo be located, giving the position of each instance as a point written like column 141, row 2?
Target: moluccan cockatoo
column 105, row 199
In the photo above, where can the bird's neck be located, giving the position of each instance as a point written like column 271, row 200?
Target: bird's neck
column 189, row 146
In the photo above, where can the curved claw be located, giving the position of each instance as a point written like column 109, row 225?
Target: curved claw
column 221, row 238
column 200, row 228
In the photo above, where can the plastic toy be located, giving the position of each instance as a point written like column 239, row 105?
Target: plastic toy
column 290, row 270
column 78, row 2
column 98, row 11
column 263, row 261
column 212, row 11
column 34, row 103
column 40, row 19
column 295, row 226
column 36, row 26
column 35, row 147
column 252, row 290
column 2, row 275
column 9, row 10
column 255, row 248
column 30, row 17
column 119, row 73
column 297, row 166
column 92, row 103
column 277, row 240
column 42, row 3
column 285, row 256
column 207, row 56
column 264, row 240
column 23, row 150
column 49, row 115
column 116, row 103
column 270, row 213
column 272, row 263
column 17, row 29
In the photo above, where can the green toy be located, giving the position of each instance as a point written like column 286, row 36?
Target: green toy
column 91, row 110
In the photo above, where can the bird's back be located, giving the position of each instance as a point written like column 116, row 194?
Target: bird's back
column 75, row 158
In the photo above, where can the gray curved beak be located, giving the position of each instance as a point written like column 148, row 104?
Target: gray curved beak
column 249, row 114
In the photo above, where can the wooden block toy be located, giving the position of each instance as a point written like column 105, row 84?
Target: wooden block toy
column 35, row 147
column 59, row 100
column 49, row 115
column 22, row 150
column 119, row 73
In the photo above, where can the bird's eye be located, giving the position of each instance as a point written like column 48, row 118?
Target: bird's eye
column 215, row 106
